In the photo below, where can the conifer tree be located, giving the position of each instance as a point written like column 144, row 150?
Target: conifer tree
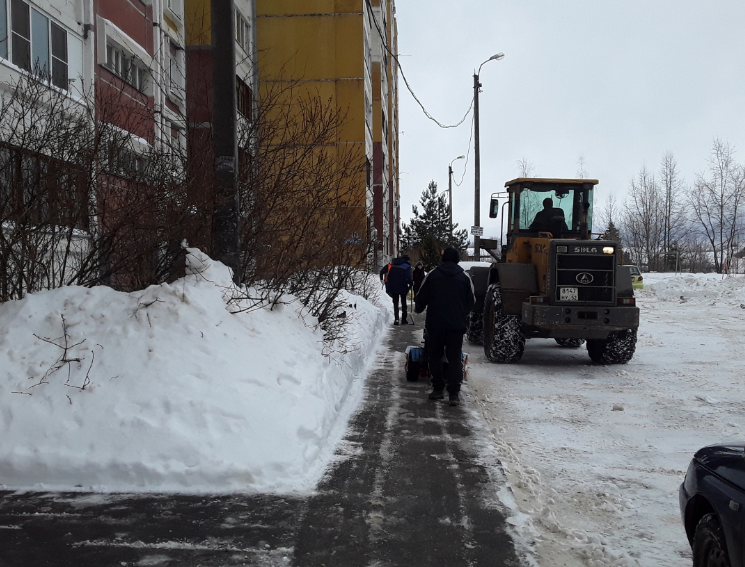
column 431, row 231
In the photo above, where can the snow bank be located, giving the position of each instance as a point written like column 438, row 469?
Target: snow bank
column 694, row 286
column 179, row 393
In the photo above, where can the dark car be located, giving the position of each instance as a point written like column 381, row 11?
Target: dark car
column 712, row 506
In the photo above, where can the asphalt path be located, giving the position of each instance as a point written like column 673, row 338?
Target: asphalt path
column 408, row 489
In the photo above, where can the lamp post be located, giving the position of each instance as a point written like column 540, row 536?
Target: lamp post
column 450, row 189
column 477, row 157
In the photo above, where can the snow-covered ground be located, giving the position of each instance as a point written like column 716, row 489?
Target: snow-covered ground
column 593, row 454
column 181, row 394
column 170, row 389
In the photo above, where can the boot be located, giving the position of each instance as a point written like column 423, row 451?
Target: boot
column 437, row 395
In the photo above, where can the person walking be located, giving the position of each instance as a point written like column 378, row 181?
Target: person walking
column 447, row 294
column 398, row 280
column 418, row 276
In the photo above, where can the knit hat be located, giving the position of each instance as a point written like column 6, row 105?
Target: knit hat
column 451, row 255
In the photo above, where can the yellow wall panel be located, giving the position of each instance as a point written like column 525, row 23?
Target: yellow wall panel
column 198, row 22
column 298, row 47
column 350, row 98
column 349, row 6
column 292, row 7
column 350, row 56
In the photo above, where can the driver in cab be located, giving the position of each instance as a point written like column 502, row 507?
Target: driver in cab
column 549, row 219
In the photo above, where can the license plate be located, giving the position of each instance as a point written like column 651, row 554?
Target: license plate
column 568, row 294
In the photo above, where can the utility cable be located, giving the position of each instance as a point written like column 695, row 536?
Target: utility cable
column 465, row 165
column 400, row 68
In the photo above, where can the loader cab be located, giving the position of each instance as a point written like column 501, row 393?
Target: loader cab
column 561, row 207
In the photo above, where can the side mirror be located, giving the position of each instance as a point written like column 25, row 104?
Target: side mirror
column 493, row 208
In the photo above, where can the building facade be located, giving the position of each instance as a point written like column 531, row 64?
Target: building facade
column 339, row 50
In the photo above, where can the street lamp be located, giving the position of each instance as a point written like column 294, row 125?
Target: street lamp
column 477, row 158
column 450, row 188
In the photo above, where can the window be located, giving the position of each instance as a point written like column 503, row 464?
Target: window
column 3, row 30
column 176, row 82
column 39, row 189
column 242, row 32
column 125, row 66
column 244, row 99
column 175, row 7
column 59, row 57
column 40, row 45
column 21, row 34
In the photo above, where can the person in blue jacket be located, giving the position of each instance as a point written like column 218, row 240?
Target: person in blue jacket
column 398, row 280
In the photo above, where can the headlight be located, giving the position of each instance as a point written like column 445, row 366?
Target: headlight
column 608, row 250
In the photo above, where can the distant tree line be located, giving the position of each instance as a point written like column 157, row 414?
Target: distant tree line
column 665, row 224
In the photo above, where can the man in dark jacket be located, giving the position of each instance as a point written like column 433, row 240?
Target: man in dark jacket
column 447, row 294
column 397, row 276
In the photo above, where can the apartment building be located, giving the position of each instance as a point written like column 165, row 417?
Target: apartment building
column 383, row 43
column 339, row 50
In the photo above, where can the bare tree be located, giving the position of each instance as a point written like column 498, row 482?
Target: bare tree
column 674, row 221
column 581, row 169
column 608, row 215
column 716, row 201
column 642, row 220
column 525, row 168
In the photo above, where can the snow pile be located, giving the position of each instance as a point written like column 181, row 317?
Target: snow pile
column 167, row 390
column 694, row 286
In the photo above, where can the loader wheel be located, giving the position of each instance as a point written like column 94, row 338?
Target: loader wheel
column 570, row 343
column 475, row 329
column 618, row 348
column 503, row 337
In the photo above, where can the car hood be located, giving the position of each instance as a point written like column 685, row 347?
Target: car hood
column 727, row 461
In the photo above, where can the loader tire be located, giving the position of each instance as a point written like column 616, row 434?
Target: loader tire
column 618, row 348
column 475, row 329
column 504, row 341
column 570, row 343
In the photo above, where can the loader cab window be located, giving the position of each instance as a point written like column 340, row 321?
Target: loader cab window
column 568, row 203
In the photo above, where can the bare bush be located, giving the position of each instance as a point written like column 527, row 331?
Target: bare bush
column 82, row 200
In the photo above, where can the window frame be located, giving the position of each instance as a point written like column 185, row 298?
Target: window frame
column 4, row 50
column 15, row 41
column 244, row 98
column 126, row 66
column 242, row 32
column 176, row 83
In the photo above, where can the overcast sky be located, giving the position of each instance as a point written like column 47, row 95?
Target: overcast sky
column 619, row 83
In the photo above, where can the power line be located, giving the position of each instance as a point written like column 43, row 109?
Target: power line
column 403, row 76
column 465, row 165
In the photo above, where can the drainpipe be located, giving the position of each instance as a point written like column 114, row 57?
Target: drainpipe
column 157, row 72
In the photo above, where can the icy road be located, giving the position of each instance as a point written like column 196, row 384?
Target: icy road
column 595, row 454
